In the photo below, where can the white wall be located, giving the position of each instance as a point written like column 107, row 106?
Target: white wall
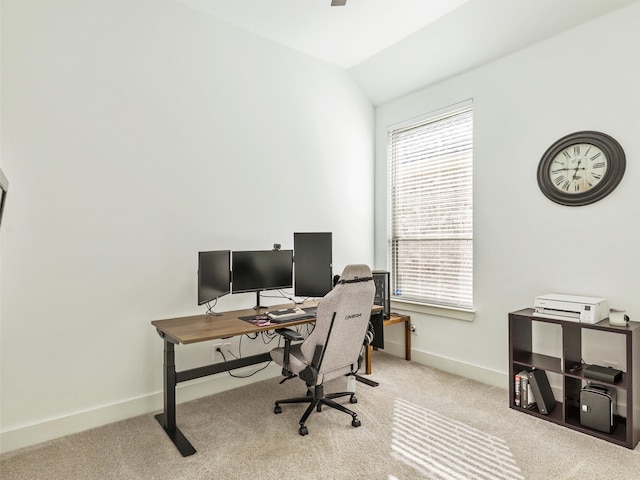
column 525, row 245
column 135, row 134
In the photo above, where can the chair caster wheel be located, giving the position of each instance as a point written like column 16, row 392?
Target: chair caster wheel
column 303, row 430
column 353, row 399
column 355, row 422
column 277, row 409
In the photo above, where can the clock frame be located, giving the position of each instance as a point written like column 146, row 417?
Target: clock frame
column 615, row 166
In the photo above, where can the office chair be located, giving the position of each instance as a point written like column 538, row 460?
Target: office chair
column 333, row 349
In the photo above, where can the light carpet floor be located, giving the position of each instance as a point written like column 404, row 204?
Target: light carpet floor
column 419, row 423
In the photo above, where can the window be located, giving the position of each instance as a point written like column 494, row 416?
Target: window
column 432, row 209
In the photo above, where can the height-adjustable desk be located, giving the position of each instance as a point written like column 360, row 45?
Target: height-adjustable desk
column 202, row 328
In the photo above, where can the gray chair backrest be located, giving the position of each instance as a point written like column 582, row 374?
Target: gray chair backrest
column 351, row 301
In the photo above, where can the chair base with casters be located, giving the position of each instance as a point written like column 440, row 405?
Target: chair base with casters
column 317, row 399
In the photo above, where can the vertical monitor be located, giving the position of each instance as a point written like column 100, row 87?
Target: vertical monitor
column 313, row 264
column 214, row 275
column 257, row 270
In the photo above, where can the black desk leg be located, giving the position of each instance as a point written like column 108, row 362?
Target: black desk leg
column 366, row 381
column 168, row 418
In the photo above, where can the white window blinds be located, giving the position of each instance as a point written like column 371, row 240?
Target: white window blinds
column 432, row 210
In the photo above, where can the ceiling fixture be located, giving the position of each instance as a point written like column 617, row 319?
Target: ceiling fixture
column 338, row 3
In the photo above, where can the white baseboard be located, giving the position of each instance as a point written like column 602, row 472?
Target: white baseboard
column 59, row 427
column 78, row 422
column 481, row 374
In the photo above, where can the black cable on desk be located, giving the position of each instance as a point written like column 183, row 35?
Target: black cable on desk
column 242, row 376
column 268, row 336
column 211, row 307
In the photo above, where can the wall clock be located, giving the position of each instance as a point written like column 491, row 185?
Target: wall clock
column 581, row 168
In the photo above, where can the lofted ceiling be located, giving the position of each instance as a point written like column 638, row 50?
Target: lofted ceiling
column 342, row 36
column 393, row 47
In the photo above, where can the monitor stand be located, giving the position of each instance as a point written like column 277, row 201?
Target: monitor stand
column 258, row 306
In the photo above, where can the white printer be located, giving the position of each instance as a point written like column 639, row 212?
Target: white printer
column 571, row 308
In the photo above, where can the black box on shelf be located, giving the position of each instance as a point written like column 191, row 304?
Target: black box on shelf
column 598, row 407
column 604, row 374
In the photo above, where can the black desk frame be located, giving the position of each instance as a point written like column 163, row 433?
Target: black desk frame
column 171, row 378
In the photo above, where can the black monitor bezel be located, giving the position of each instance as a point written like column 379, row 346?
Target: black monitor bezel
column 320, row 268
column 257, row 287
column 225, row 257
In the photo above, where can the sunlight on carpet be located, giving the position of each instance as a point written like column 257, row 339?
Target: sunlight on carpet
column 435, row 445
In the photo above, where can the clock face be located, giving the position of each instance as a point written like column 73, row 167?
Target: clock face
column 581, row 168
column 578, row 168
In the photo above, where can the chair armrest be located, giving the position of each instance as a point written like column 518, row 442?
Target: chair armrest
column 289, row 334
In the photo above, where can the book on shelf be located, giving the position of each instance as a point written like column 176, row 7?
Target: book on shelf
column 523, row 393
column 527, row 398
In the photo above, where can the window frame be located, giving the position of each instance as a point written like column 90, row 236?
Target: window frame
column 462, row 312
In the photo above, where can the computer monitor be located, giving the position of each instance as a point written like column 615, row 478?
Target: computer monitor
column 259, row 270
column 312, row 261
column 214, row 275
column 4, row 187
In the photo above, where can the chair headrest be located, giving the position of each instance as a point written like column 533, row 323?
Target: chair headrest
column 355, row 272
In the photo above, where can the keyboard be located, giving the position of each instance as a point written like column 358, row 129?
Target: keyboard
column 286, row 313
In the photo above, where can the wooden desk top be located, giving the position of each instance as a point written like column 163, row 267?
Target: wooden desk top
column 200, row 328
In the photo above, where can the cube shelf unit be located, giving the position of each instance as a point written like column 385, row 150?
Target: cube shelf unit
column 567, row 410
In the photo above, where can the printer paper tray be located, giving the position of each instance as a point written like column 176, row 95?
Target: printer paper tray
column 557, row 316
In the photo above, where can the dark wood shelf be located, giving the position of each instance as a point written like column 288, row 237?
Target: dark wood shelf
column 579, row 374
column 618, row 434
column 555, row 416
column 626, row 431
column 537, row 360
